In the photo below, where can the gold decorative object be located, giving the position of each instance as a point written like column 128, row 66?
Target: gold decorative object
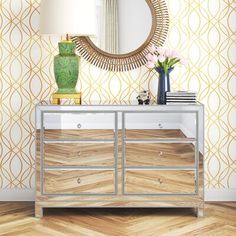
column 132, row 60
column 56, row 97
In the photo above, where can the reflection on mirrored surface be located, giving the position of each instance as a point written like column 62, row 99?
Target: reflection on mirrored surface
column 109, row 103
column 122, row 25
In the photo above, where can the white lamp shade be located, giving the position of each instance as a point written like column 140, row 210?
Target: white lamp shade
column 74, row 17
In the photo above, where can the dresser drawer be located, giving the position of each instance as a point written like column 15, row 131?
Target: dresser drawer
column 79, row 182
column 77, row 134
column 161, row 125
column 79, row 154
column 159, row 154
column 154, row 134
column 159, row 182
column 81, row 125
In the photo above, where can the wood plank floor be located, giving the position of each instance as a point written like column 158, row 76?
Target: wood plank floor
column 17, row 219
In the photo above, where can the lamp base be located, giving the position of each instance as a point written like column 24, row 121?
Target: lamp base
column 66, row 91
column 56, row 97
column 66, row 68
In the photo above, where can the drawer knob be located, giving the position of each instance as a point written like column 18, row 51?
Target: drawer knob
column 160, row 181
column 79, row 181
column 160, row 154
column 79, row 153
column 79, row 126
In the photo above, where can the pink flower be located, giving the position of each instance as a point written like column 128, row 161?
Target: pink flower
column 161, row 58
column 150, row 64
column 168, row 53
column 152, row 57
column 152, row 48
column 174, row 54
column 161, row 51
column 149, row 57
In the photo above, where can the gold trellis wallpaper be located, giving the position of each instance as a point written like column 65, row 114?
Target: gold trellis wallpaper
column 203, row 30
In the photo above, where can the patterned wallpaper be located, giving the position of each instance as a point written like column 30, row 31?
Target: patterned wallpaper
column 203, row 30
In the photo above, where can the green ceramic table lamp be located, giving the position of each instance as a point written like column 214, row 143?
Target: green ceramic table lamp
column 64, row 18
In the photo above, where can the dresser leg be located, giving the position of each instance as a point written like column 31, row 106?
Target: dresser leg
column 38, row 211
column 200, row 212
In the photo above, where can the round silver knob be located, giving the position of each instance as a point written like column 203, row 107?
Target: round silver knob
column 79, row 126
column 78, row 180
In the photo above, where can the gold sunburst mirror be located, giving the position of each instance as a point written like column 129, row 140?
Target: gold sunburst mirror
column 125, row 30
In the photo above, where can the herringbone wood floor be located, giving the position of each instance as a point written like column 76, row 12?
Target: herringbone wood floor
column 18, row 219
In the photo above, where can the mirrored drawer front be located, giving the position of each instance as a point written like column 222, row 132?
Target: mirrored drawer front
column 159, row 182
column 160, row 125
column 79, row 182
column 155, row 134
column 77, row 134
column 160, row 154
column 79, row 125
column 79, row 154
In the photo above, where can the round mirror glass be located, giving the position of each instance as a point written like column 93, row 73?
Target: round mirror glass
column 122, row 25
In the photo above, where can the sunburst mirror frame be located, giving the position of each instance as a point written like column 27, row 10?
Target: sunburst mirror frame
column 124, row 62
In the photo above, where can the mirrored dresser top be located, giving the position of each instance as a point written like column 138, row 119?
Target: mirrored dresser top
column 115, row 103
column 117, row 106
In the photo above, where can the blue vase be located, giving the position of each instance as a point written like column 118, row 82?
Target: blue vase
column 163, row 84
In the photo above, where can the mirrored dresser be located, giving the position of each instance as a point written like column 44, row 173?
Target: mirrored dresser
column 119, row 156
